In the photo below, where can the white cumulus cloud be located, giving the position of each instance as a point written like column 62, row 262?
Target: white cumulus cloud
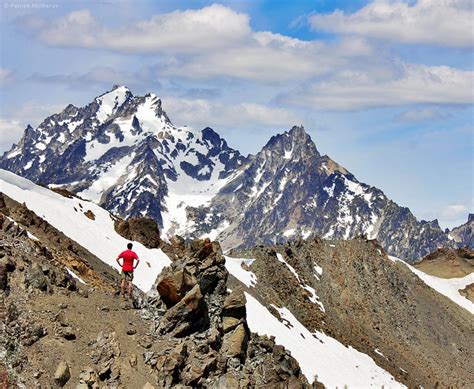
column 186, row 31
column 201, row 113
column 406, row 84
column 440, row 22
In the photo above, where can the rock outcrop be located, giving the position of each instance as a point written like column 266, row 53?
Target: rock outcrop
column 202, row 339
column 143, row 230
column 448, row 263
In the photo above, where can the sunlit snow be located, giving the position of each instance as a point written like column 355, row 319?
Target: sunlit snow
column 446, row 286
column 98, row 236
column 318, row 355
column 234, row 266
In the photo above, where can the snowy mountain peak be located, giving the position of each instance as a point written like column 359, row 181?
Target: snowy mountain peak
column 116, row 90
column 111, row 101
column 292, row 145
column 123, row 152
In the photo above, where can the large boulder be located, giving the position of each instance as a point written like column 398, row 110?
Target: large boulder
column 187, row 316
column 235, row 343
column 143, row 230
column 173, row 285
column 234, row 304
column 36, row 278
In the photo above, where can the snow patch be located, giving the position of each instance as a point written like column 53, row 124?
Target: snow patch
column 13, row 154
column 318, row 355
column 448, row 287
column 106, row 179
column 319, row 270
column 28, row 165
column 31, row 236
column 109, row 102
column 314, row 298
column 234, row 266
column 74, row 275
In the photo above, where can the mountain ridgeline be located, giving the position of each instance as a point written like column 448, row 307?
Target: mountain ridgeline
column 124, row 153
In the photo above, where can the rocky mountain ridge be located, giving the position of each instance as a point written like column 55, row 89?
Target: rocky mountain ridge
column 463, row 235
column 123, row 152
column 353, row 291
column 341, row 311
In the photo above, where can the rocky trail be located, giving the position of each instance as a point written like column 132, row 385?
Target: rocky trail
column 60, row 330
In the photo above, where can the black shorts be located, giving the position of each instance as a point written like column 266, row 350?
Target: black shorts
column 127, row 275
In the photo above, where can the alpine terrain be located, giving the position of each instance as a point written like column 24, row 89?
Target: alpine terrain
column 308, row 313
column 123, row 152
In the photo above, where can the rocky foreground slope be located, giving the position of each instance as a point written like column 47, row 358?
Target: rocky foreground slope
column 68, row 328
column 124, row 153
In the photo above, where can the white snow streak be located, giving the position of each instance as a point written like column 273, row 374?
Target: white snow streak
column 234, row 266
column 74, row 275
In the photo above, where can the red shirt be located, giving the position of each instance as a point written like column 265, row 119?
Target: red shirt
column 128, row 257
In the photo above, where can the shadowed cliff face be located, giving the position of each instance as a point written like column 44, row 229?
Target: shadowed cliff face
column 141, row 230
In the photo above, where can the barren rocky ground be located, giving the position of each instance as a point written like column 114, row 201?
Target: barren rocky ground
column 57, row 331
column 448, row 263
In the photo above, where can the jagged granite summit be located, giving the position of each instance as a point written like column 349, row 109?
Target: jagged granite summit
column 123, row 152
column 464, row 234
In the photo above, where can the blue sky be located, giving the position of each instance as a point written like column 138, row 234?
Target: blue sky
column 383, row 87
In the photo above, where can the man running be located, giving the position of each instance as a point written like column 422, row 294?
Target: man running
column 128, row 257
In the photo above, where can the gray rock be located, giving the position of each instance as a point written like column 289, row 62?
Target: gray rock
column 36, row 278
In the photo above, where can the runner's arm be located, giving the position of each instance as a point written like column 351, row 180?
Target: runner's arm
column 138, row 261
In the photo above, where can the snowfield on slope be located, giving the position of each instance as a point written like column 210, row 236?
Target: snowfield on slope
column 318, row 355
column 98, row 236
column 448, row 287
